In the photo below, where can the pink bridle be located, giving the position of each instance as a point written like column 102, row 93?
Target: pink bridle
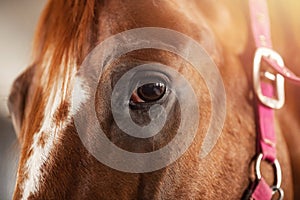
column 266, row 102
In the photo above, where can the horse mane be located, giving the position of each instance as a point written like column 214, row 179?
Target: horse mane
column 66, row 31
column 65, row 34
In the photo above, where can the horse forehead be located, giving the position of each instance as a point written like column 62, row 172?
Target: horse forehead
column 118, row 16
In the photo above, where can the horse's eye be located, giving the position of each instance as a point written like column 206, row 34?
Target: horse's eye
column 149, row 92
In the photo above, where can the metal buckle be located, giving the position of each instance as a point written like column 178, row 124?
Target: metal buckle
column 277, row 174
column 272, row 55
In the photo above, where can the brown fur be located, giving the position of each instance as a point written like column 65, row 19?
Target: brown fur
column 69, row 29
column 62, row 112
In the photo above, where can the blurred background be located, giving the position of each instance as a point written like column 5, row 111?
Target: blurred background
column 18, row 20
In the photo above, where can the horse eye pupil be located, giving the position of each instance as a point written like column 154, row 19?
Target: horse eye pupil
column 151, row 91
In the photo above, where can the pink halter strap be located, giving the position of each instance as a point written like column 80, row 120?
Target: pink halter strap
column 260, row 24
column 266, row 103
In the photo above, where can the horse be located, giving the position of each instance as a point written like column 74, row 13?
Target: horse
column 55, row 164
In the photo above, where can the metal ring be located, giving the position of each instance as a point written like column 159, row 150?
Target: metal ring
column 280, row 192
column 277, row 171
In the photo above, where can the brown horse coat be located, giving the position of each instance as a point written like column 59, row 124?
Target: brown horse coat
column 55, row 165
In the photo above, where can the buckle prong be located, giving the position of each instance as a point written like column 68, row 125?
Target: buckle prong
column 269, row 76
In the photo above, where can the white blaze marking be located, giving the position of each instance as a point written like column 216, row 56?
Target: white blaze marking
column 79, row 96
column 41, row 154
